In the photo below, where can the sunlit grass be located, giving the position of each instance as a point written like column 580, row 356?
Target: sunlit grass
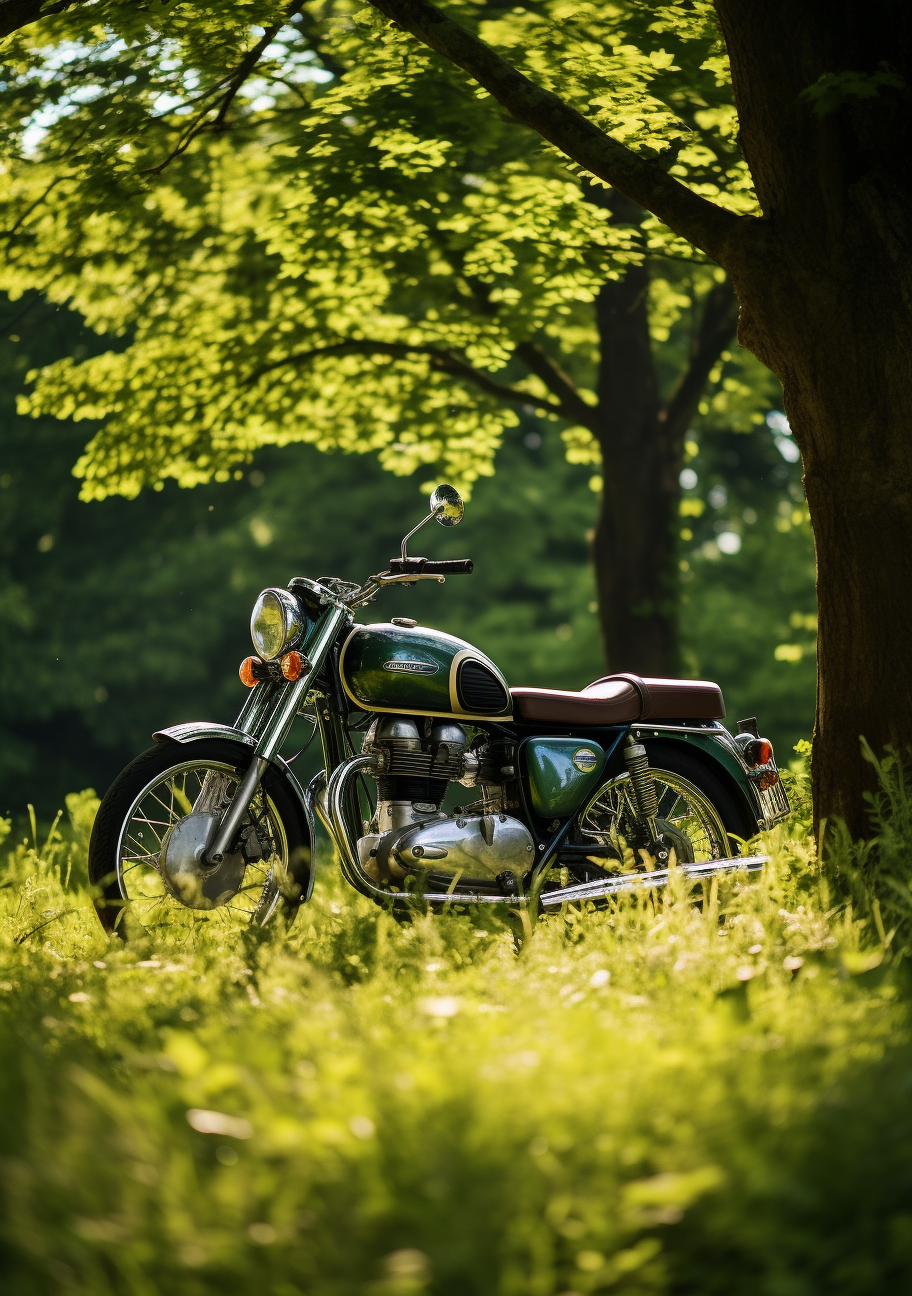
column 709, row 1092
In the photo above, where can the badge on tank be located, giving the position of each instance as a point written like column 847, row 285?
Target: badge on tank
column 585, row 760
column 412, row 667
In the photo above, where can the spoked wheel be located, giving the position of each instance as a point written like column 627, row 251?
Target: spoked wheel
column 153, row 826
column 686, row 817
column 698, row 816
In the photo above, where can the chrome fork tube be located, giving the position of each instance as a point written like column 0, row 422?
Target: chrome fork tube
column 236, row 811
column 256, row 704
column 275, row 732
column 278, row 724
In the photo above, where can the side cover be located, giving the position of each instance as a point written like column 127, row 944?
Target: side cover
column 561, row 772
column 415, row 670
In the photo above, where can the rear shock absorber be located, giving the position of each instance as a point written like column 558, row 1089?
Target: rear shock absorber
column 643, row 784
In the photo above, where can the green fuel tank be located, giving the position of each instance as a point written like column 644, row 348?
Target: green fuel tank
column 413, row 670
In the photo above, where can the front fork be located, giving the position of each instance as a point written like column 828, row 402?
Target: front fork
column 275, row 731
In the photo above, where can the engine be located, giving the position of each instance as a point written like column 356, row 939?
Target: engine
column 415, row 760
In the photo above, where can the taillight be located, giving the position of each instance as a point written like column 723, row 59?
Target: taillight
column 759, row 751
column 245, row 670
column 293, row 665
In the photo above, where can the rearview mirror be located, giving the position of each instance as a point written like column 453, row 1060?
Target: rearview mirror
column 447, row 506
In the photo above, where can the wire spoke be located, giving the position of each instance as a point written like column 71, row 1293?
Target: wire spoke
column 612, row 816
column 181, row 791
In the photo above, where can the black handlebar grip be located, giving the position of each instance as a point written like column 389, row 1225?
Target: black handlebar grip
column 450, row 567
column 446, row 567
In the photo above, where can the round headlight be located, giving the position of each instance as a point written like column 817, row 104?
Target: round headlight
column 275, row 623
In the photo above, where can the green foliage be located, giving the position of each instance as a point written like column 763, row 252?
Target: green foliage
column 833, row 89
column 125, row 616
column 350, row 247
column 655, row 1098
column 876, row 875
column 748, row 609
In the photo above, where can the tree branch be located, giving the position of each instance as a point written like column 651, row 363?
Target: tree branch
column 559, row 384
column 713, row 229
column 235, row 82
column 247, row 64
column 15, row 14
column 442, row 360
column 717, row 328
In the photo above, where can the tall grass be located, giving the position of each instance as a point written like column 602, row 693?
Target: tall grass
column 705, row 1092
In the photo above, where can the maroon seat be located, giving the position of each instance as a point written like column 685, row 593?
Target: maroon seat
column 621, row 699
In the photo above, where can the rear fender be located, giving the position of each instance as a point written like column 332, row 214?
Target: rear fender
column 714, row 746
column 193, row 730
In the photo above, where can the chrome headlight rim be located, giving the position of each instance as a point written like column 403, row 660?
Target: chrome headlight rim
column 294, row 623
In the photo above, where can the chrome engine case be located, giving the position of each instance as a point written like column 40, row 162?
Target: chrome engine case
column 477, row 847
column 416, row 759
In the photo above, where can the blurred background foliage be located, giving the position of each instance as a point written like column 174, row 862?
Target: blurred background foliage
column 118, row 617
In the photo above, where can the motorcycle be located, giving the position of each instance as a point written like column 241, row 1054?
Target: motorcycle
column 573, row 796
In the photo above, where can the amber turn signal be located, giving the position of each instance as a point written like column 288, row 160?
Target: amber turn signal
column 245, row 670
column 292, row 665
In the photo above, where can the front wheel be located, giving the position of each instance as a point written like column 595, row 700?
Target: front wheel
column 141, row 854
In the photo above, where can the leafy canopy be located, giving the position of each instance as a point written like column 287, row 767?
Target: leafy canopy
column 295, row 225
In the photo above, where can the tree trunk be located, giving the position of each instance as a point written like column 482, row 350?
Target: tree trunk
column 642, row 443
column 826, row 296
column 634, row 549
column 837, row 337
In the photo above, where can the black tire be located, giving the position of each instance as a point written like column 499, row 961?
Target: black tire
column 277, row 805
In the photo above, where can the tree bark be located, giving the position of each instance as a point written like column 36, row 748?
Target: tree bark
column 642, row 443
column 826, row 294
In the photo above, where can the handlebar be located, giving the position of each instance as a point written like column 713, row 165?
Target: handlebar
column 428, row 567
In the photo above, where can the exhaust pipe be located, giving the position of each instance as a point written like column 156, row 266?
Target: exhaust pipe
column 605, row 887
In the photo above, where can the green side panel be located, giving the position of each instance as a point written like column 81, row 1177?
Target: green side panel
column 562, row 771
column 398, row 668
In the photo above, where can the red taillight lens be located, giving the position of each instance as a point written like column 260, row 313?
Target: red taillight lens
column 245, row 670
column 292, row 665
column 758, row 752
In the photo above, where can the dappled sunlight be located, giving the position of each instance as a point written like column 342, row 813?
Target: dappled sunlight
column 437, row 1104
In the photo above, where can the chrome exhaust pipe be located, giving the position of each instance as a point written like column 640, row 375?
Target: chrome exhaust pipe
column 335, row 802
column 605, row 887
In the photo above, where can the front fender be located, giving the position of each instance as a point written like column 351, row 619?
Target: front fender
column 193, row 730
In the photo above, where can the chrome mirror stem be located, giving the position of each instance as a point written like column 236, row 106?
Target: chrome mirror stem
column 424, row 521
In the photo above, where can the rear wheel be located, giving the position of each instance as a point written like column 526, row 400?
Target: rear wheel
column 698, row 815
column 170, row 793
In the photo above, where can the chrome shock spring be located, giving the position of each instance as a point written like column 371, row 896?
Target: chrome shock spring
column 643, row 784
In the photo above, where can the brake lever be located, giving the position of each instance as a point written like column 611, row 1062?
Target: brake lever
column 407, row 578
column 367, row 594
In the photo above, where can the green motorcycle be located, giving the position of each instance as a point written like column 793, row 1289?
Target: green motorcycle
column 563, row 796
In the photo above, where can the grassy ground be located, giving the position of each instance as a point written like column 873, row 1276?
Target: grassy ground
column 660, row 1097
